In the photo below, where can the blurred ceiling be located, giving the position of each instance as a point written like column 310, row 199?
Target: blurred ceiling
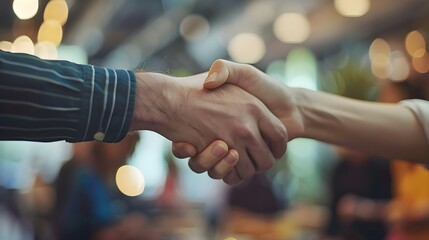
column 148, row 30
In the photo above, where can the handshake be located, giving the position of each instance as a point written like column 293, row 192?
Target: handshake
column 231, row 121
column 236, row 121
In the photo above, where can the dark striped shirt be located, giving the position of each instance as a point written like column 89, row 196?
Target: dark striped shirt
column 45, row 101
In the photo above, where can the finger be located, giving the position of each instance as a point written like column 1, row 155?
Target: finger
column 183, row 150
column 218, row 75
column 222, row 168
column 232, row 178
column 274, row 133
column 242, row 75
column 260, row 155
column 208, row 157
column 246, row 77
column 245, row 167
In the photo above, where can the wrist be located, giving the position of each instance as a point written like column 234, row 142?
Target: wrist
column 298, row 117
column 151, row 104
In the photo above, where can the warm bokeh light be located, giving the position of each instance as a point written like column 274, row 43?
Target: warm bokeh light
column 23, row 44
column 25, row 9
column 246, row 48
column 400, row 67
column 421, row 64
column 46, row 50
column 130, row 180
column 50, row 31
column 379, row 54
column 292, row 28
column 381, row 72
column 6, row 46
column 56, row 10
column 352, row 8
column 194, row 27
column 379, row 47
column 230, row 238
column 415, row 44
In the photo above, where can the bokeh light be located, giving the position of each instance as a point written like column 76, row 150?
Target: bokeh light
column 421, row 64
column 379, row 54
column 261, row 12
column 46, row 50
column 130, row 180
column 194, row 27
column 352, row 8
column 400, row 68
column 6, row 46
column 276, row 69
column 25, row 9
column 292, row 28
column 301, row 69
column 23, row 44
column 56, row 10
column 50, row 31
column 72, row 53
column 246, row 48
column 415, row 44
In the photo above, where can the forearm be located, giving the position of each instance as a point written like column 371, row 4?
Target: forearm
column 389, row 130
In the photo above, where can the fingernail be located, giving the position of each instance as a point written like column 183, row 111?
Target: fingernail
column 231, row 158
column 219, row 150
column 211, row 77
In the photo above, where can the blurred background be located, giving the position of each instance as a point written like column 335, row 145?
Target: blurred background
column 363, row 49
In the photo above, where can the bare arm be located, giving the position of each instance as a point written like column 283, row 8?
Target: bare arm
column 389, row 130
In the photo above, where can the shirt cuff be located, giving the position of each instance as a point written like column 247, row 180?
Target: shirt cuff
column 107, row 104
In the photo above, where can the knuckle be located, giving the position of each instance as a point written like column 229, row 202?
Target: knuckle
column 214, row 174
column 179, row 153
column 232, row 181
column 245, row 132
column 194, row 167
column 253, row 108
column 281, row 134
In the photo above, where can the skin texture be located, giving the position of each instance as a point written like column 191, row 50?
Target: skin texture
column 180, row 110
column 389, row 130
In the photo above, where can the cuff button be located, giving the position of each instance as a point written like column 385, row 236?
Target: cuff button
column 99, row 136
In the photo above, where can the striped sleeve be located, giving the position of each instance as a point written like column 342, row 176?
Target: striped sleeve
column 45, row 101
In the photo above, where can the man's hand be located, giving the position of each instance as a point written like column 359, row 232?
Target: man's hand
column 279, row 98
column 180, row 110
column 275, row 95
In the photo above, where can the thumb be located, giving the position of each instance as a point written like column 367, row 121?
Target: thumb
column 218, row 75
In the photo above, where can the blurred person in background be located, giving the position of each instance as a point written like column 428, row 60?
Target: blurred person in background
column 15, row 220
column 361, row 186
column 408, row 213
column 90, row 206
column 252, row 209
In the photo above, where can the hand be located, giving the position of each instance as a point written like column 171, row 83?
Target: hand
column 279, row 98
column 276, row 96
column 180, row 110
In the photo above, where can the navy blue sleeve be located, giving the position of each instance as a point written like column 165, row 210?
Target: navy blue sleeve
column 43, row 100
